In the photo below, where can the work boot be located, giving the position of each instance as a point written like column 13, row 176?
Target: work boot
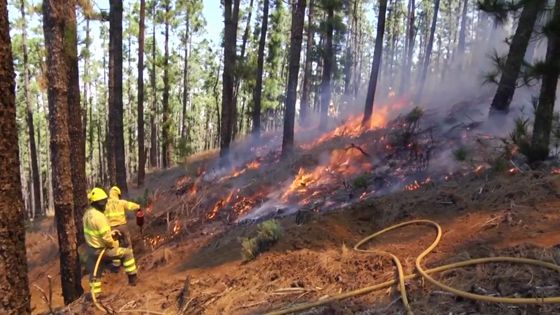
column 132, row 280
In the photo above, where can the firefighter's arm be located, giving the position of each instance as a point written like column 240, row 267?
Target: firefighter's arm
column 107, row 233
column 131, row 206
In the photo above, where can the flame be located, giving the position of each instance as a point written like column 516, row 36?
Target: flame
column 219, row 205
column 353, row 127
column 176, row 227
column 555, row 171
column 414, row 186
column 254, row 165
column 513, row 171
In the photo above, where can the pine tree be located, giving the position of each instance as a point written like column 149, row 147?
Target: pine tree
column 230, row 36
column 37, row 210
column 298, row 18
column 166, row 123
column 260, row 61
column 428, row 53
column 328, row 62
column 13, row 263
column 518, row 47
column 116, row 130
column 57, row 22
column 75, row 129
column 545, row 109
column 306, row 89
column 376, row 63
column 140, row 113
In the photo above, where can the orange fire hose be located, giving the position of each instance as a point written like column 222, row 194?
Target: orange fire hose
column 425, row 274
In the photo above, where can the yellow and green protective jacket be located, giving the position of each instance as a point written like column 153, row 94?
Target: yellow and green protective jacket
column 97, row 230
column 116, row 208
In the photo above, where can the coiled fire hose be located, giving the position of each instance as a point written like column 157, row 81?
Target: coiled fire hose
column 425, row 274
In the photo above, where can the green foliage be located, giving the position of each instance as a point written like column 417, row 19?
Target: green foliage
column 460, row 154
column 268, row 233
column 360, row 182
column 499, row 165
column 521, row 137
column 414, row 115
column 500, row 9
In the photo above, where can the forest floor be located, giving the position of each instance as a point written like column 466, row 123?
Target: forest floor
column 514, row 215
column 190, row 260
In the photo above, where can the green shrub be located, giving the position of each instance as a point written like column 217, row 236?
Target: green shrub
column 360, row 182
column 460, row 154
column 268, row 233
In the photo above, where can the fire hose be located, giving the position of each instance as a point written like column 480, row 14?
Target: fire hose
column 426, row 274
column 99, row 306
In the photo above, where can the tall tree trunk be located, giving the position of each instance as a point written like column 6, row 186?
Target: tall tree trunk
column 37, row 211
column 428, row 53
column 298, row 18
column 57, row 23
column 166, row 123
column 230, row 37
column 519, row 43
column 75, row 129
column 115, row 84
column 376, row 64
column 238, row 80
column 257, row 93
column 153, row 137
column 140, row 117
column 410, row 34
column 13, row 263
column 545, row 109
column 89, row 100
column 463, row 31
column 329, row 60
column 185, row 79
column 306, row 89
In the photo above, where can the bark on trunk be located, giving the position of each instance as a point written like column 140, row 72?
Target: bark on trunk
column 519, row 43
column 153, row 138
column 115, row 84
column 298, row 18
column 55, row 25
column 376, row 64
column 140, row 114
column 257, row 94
column 75, row 128
column 328, row 57
column 306, row 89
column 13, row 263
column 230, row 36
column 545, row 110
column 166, row 123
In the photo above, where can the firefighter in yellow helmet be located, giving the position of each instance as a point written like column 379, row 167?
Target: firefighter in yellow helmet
column 99, row 236
column 116, row 214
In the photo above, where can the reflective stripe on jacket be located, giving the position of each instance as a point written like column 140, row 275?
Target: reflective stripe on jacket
column 97, row 230
column 116, row 209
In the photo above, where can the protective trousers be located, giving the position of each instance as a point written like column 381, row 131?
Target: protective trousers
column 120, row 253
column 124, row 240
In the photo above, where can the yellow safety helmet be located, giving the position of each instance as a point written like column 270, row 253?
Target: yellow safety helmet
column 115, row 189
column 97, row 194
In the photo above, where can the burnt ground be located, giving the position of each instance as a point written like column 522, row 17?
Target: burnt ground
column 481, row 215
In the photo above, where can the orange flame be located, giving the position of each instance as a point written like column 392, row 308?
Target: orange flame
column 219, row 205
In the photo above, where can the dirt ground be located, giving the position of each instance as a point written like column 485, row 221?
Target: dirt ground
column 202, row 268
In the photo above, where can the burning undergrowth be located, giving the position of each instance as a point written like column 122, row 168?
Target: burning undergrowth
column 353, row 162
